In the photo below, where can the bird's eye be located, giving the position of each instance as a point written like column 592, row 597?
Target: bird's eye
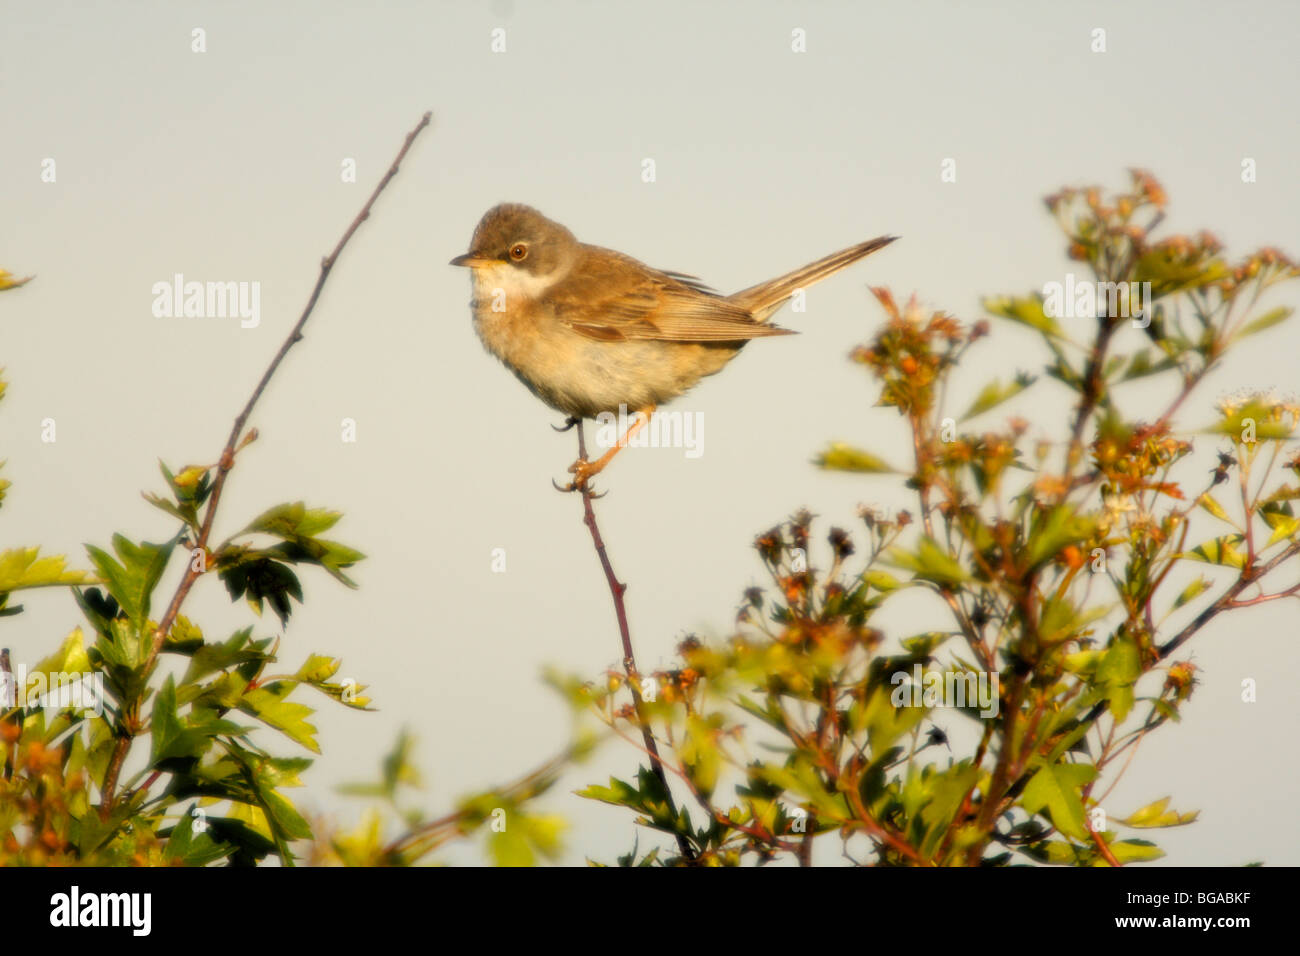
column 518, row 251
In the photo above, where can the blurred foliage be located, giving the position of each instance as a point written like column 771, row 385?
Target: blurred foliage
column 514, row 834
column 1052, row 557
column 206, row 790
column 190, row 712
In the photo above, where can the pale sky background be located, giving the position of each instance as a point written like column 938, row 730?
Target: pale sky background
column 226, row 166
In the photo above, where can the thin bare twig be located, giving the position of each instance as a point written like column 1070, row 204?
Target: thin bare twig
column 1225, row 600
column 616, row 589
column 128, row 724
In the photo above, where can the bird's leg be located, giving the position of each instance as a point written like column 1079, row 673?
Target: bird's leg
column 583, row 470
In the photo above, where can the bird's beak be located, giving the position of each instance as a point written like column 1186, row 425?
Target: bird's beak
column 472, row 261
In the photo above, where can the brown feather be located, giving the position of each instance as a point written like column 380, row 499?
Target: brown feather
column 636, row 302
column 765, row 298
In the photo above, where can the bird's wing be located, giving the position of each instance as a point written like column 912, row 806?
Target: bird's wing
column 611, row 297
column 693, row 282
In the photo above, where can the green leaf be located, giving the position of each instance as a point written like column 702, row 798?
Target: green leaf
column 1060, row 853
column 249, row 844
column 1142, row 365
column 543, row 831
column 224, row 692
column 1208, row 503
column 648, row 799
column 1062, row 526
column 70, row 658
column 1283, row 524
column 132, row 581
column 930, row 562
column 1170, row 272
column 800, row 778
column 1135, row 851
column 1191, row 592
column 1158, row 814
column 700, row 754
column 509, row 847
column 1285, row 493
column 1083, row 662
column 1166, row 710
column 1068, row 740
column 1221, row 550
column 330, row 555
column 185, row 637
column 921, row 646
column 397, row 768
column 264, row 807
column 285, row 815
column 1265, row 426
column 995, row 393
column 257, row 578
column 124, row 649
column 842, row 457
column 292, row 521
column 268, row 704
column 948, row 792
column 769, row 713
column 881, row 580
column 1265, row 321
column 194, row 849
column 318, row 669
column 21, row 568
column 886, row 722
column 189, row 515
column 191, row 489
column 218, row 657
column 619, row 793
column 1056, row 787
column 169, row 738
column 1118, row 670
column 283, row 771
column 298, row 526
column 1061, row 619
column 1026, row 311
column 95, row 832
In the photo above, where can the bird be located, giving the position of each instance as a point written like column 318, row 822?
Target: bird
column 588, row 329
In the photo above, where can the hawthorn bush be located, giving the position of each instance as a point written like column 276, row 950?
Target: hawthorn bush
column 69, row 724
column 1072, row 570
column 1055, row 562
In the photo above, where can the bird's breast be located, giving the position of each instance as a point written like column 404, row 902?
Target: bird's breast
column 575, row 373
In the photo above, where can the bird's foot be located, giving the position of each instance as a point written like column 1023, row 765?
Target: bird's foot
column 583, row 471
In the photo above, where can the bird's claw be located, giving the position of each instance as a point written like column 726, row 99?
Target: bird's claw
column 574, row 486
column 568, row 424
column 582, row 472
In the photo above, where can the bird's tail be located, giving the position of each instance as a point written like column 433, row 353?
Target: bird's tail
column 765, row 298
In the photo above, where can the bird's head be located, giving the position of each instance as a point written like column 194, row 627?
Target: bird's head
column 517, row 241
